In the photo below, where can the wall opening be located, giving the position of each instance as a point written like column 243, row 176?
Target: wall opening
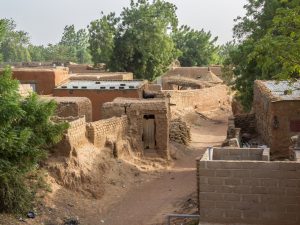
column 149, row 128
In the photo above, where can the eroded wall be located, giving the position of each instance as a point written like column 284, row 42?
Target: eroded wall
column 113, row 130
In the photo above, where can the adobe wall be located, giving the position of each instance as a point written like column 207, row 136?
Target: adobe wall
column 135, row 109
column 99, row 97
column 113, row 129
column 45, row 79
column 74, row 137
column 285, row 112
column 72, row 106
column 262, row 110
column 203, row 99
column 250, row 192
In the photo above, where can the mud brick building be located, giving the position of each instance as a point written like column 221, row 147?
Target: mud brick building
column 277, row 112
column 148, row 123
column 100, row 92
column 41, row 80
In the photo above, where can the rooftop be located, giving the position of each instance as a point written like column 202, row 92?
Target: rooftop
column 283, row 90
column 102, row 85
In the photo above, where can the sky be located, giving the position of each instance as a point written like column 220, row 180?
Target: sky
column 45, row 20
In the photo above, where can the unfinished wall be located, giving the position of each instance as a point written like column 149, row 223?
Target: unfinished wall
column 203, row 99
column 258, row 192
column 112, row 129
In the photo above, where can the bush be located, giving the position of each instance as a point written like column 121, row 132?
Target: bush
column 26, row 132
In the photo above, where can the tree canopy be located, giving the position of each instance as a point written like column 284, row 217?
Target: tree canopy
column 267, row 45
column 145, row 40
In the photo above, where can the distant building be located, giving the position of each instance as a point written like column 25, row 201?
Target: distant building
column 101, row 91
column 41, row 80
column 277, row 112
column 203, row 76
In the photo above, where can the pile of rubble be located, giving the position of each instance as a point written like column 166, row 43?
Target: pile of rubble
column 180, row 132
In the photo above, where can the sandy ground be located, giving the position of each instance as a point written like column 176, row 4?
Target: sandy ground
column 136, row 193
column 149, row 203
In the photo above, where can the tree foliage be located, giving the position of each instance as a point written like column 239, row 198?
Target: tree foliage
column 25, row 134
column 143, row 44
column 13, row 47
column 197, row 47
column 101, row 37
column 264, row 43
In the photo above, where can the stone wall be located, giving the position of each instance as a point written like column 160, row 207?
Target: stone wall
column 246, row 122
column 204, row 99
column 257, row 192
column 112, row 129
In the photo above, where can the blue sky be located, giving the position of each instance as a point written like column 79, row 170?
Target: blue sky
column 44, row 20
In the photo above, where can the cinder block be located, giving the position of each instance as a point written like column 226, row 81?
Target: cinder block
column 241, row 173
column 207, row 188
column 251, row 198
column 215, row 181
column 233, row 214
column 231, row 197
column 223, row 173
column 206, row 172
column 270, row 182
column 232, row 181
column 251, row 181
column 259, row 190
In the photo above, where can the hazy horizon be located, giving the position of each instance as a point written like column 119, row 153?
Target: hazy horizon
column 45, row 22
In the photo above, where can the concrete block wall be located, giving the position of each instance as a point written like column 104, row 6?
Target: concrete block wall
column 249, row 192
column 113, row 129
column 203, row 99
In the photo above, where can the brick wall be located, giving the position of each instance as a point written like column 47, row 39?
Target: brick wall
column 72, row 106
column 258, row 192
column 74, row 137
column 113, row 129
column 204, row 99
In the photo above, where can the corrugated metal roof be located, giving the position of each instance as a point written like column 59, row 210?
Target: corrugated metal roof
column 101, row 85
column 284, row 90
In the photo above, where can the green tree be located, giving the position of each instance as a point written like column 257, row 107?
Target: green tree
column 26, row 133
column 14, row 45
column 250, row 31
column 37, row 53
column 197, row 47
column 101, row 37
column 143, row 44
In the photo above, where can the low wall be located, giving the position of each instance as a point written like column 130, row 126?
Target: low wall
column 257, row 192
column 112, row 129
column 203, row 99
column 74, row 137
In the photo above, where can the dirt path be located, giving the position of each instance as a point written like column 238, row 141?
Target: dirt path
column 149, row 203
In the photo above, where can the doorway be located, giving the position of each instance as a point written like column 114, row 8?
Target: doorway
column 149, row 132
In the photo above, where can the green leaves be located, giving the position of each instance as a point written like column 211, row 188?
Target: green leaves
column 268, row 45
column 25, row 133
column 197, row 47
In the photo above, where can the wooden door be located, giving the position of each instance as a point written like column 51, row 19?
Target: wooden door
column 149, row 132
